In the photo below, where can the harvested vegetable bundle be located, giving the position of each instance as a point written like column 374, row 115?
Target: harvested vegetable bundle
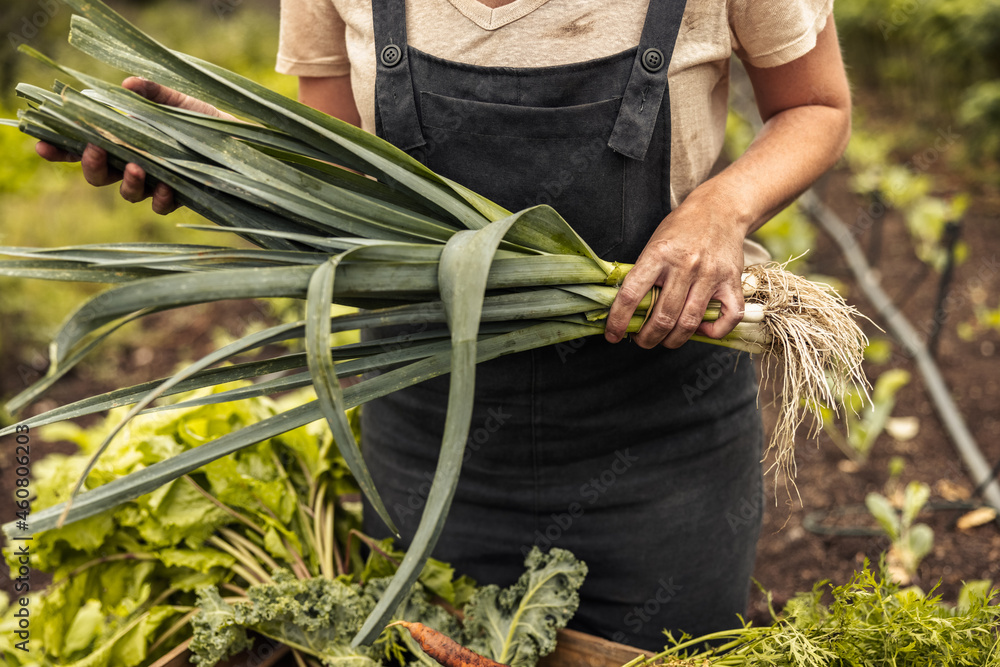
column 342, row 216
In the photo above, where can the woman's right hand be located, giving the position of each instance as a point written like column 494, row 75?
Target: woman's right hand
column 94, row 160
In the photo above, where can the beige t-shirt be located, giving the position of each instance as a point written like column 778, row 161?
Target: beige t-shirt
column 335, row 37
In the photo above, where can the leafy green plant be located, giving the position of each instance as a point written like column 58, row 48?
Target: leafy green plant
column 926, row 219
column 258, row 540
column 980, row 110
column 910, row 541
column 517, row 626
column 870, row 621
column 908, row 190
column 122, row 577
column 983, row 320
column 864, row 421
column 319, row 616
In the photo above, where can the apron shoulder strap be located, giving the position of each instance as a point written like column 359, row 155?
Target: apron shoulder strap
column 647, row 85
column 396, row 109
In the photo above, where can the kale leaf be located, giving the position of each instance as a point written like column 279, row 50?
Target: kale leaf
column 518, row 625
column 318, row 615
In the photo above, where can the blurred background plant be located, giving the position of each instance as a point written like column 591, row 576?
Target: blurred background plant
column 928, row 65
column 238, row 34
column 911, row 542
column 863, row 422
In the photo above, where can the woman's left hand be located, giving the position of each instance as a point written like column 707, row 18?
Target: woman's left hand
column 695, row 254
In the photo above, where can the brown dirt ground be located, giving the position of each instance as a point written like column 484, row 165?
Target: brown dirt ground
column 791, row 557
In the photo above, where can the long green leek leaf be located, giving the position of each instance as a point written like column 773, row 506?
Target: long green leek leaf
column 356, row 280
column 70, row 272
column 241, row 158
column 139, row 483
column 58, row 370
column 214, row 205
column 329, row 394
column 244, row 97
column 129, row 395
column 462, row 275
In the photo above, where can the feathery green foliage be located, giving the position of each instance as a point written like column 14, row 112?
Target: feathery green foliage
column 870, row 622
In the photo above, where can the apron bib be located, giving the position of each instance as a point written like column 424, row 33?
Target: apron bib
column 643, row 463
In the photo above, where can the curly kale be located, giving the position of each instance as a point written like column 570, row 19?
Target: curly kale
column 217, row 635
column 319, row 616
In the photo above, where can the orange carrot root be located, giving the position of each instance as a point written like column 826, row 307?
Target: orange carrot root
column 444, row 649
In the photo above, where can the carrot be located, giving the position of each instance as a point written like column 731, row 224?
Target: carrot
column 444, row 649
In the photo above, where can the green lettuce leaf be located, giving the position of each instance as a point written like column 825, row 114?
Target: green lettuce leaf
column 201, row 560
column 87, row 626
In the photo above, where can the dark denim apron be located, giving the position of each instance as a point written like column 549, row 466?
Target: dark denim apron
column 644, row 463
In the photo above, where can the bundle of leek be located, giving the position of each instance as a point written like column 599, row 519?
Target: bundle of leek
column 340, row 216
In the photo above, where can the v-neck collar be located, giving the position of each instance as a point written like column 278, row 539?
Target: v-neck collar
column 491, row 19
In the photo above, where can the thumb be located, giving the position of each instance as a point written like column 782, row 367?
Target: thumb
column 160, row 94
column 148, row 89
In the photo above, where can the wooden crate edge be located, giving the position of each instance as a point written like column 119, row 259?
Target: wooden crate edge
column 573, row 649
column 579, row 649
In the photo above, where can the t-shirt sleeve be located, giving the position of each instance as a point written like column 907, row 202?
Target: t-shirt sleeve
column 313, row 39
column 768, row 33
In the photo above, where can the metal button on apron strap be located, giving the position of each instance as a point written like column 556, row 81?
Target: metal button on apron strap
column 652, row 60
column 391, row 55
